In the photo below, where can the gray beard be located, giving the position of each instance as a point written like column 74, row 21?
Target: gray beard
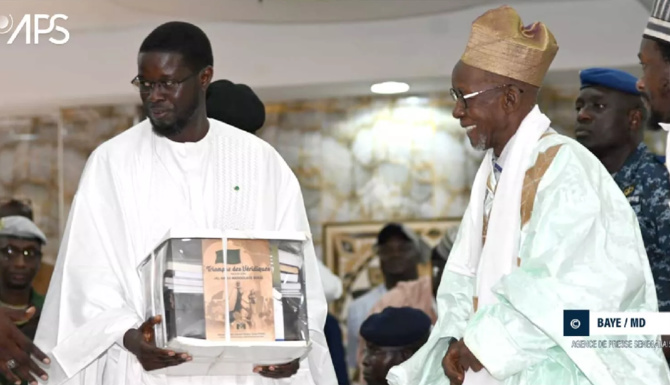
column 481, row 144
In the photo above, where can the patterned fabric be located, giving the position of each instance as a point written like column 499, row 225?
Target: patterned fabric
column 234, row 203
column 646, row 184
column 491, row 184
column 658, row 25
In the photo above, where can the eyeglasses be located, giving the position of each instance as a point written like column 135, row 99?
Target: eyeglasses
column 458, row 96
column 12, row 253
column 169, row 85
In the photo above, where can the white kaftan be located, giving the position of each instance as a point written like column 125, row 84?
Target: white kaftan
column 560, row 236
column 134, row 188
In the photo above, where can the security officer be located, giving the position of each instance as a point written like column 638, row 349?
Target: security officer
column 610, row 123
column 391, row 337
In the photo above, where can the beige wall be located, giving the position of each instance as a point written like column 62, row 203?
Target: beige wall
column 357, row 159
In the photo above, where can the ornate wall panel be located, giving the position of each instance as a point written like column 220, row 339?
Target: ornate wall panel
column 375, row 159
column 367, row 159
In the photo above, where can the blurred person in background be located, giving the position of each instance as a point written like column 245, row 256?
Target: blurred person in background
column 400, row 252
column 21, row 244
column 391, row 337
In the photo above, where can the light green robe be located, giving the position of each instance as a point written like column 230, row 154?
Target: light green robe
column 580, row 248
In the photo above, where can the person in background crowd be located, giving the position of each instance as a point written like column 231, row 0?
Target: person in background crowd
column 400, row 251
column 235, row 104
column 610, row 123
column 418, row 294
column 391, row 337
column 21, row 244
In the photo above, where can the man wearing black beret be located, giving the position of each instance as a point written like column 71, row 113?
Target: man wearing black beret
column 235, row 104
column 391, row 337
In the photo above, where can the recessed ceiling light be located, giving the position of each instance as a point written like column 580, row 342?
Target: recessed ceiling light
column 389, row 88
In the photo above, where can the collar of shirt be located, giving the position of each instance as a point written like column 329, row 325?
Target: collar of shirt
column 665, row 126
column 499, row 162
column 633, row 161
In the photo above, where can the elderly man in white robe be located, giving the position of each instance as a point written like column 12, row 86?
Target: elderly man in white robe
column 176, row 168
column 547, row 230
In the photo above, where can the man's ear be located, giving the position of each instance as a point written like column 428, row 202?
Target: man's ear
column 511, row 99
column 635, row 120
column 206, row 77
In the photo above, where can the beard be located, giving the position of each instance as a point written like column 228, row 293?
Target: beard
column 655, row 117
column 177, row 125
column 168, row 129
column 481, row 144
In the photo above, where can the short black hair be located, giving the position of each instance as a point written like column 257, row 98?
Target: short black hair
column 182, row 38
column 389, row 231
column 663, row 46
column 15, row 207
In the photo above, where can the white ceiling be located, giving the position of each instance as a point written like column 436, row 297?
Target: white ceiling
column 288, row 54
column 113, row 14
column 564, row 80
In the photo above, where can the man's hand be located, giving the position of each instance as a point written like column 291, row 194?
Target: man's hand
column 467, row 359
column 451, row 364
column 142, row 343
column 16, row 363
column 278, row 371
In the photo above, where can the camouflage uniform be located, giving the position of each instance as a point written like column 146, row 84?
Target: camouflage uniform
column 646, row 183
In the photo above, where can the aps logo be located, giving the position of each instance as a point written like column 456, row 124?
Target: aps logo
column 34, row 25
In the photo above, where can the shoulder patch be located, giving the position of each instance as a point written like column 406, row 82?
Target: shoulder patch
column 628, row 190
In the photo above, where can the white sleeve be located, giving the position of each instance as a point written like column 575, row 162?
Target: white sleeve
column 292, row 216
column 332, row 284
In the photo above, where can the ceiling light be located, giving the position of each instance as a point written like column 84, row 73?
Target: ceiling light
column 389, row 88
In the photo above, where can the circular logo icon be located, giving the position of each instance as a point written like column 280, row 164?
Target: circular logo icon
column 575, row 324
column 6, row 23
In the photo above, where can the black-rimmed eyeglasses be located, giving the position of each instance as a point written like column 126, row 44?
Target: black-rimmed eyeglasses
column 169, row 85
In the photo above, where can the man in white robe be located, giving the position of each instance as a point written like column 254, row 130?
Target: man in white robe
column 654, row 57
column 547, row 230
column 177, row 168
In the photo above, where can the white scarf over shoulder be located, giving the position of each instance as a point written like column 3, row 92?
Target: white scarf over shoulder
column 497, row 258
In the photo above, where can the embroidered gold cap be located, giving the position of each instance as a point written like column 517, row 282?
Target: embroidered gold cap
column 499, row 43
